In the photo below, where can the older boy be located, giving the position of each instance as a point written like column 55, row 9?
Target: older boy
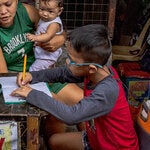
column 104, row 108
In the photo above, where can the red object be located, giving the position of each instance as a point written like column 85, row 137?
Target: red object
column 132, row 69
column 137, row 81
column 114, row 130
column 134, row 112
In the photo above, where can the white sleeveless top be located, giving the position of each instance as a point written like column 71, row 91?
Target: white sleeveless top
column 38, row 51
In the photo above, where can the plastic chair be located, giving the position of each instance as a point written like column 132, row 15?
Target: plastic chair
column 135, row 52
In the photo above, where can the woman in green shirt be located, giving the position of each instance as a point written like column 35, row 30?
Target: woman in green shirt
column 16, row 20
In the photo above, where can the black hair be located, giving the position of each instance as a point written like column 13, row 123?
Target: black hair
column 60, row 2
column 92, row 41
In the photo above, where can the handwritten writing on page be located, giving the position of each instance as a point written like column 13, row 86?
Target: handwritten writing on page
column 9, row 84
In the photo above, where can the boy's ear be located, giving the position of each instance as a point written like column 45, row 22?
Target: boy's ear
column 92, row 69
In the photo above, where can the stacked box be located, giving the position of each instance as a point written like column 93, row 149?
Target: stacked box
column 136, row 83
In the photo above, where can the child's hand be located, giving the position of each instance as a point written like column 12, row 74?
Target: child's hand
column 27, row 79
column 22, row 91
column 31, row 37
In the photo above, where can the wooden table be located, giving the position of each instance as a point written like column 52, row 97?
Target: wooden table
column 28, row 118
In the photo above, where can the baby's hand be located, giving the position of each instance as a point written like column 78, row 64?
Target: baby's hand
column 31, row 37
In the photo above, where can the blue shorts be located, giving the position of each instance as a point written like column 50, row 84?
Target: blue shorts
column 85, row 141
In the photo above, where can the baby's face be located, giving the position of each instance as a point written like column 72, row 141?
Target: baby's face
column 48, row 11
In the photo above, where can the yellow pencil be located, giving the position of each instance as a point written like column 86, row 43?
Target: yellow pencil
column 24, row 66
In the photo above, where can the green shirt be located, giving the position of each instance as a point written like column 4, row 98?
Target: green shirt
column 14, row 43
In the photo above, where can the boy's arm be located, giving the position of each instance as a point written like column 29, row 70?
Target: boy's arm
column 48, row 35
column 58, row 74
column 89, row 107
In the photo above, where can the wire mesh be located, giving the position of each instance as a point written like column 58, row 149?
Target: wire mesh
column 81, row 12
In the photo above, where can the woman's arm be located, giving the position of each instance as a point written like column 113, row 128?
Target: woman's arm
column 3, row 66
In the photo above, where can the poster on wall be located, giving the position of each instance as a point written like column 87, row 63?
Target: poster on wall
column 9, row 135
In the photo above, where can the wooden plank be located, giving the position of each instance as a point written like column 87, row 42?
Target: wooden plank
column 32, row 133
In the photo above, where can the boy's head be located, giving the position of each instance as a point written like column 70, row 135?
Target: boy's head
column 92, row 43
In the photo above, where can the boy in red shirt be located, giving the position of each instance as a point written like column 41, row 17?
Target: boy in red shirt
column 104, row 107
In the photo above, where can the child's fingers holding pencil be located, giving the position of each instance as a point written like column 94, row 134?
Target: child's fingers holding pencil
column 27, row 79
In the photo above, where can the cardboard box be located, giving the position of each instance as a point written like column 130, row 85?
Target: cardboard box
column 138, row 90
column 136, row 84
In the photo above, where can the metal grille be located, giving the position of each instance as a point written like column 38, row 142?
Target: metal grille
column 81, row 12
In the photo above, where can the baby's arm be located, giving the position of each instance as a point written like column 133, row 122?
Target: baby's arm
column 48, row 35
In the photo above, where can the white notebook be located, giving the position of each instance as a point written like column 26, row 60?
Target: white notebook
column 9, row 84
